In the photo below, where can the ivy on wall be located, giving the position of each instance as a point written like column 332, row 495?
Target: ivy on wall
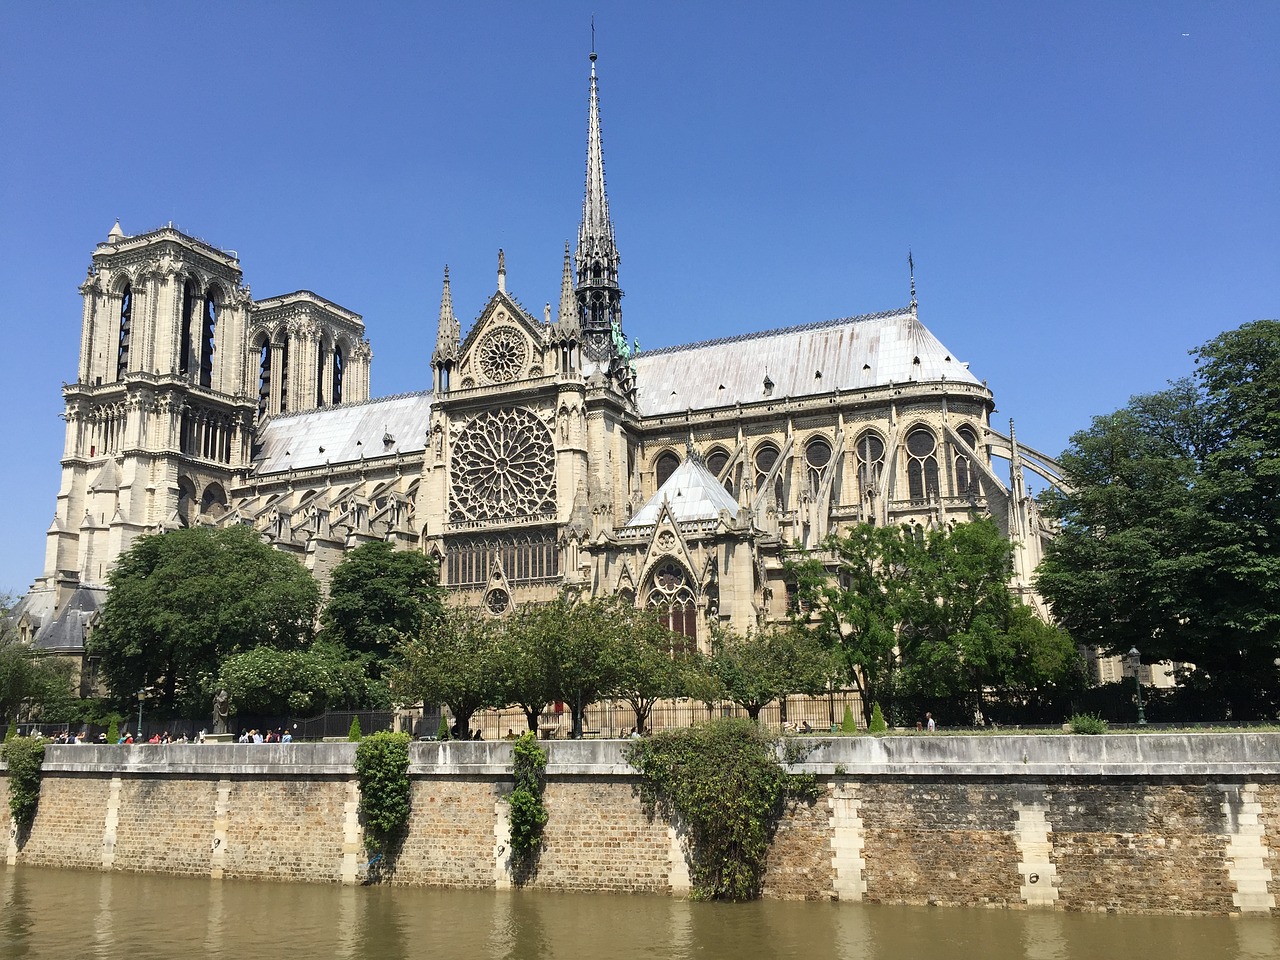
column 382, row 769
column 724, row 782
column 24, row 757
column 528, row 815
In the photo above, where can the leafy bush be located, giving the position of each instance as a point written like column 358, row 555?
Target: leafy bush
column 877, row 724
column 382, row 768
column 442, row 731
column 355, row 733
column 113, row 729
column 11, row 731
column 25, row 757
column 723, row 780
column 528, row 815
column 848, row 724
column 1087, row 723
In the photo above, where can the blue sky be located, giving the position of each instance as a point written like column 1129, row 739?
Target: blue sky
column 1089, row 189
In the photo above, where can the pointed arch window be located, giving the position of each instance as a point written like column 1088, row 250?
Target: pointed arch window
column 665, row 466
column 966, row 477
column 206, row 340
column 264, row 376
column 672, row 600
column 126, row 320
column 717, row 459
column 870, row 450
column 766, row 458
column 322, row 361
column 283, row 373
column 184, row 345
column 339, row 368
column 817, row 454
column 922, row 464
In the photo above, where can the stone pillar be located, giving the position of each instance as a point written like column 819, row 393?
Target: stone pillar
column 112, row 822
column 501, row 844
column 849, row 868
column 1247, row 851
column 221, row 819
column 1035, row 847
column 352, row 836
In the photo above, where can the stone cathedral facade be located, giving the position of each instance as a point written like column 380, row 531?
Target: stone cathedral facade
column 549, row 451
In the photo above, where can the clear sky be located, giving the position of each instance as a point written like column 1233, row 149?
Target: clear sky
column 1089, row 189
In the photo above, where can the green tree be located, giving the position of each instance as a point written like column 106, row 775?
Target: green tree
column 756, row 668
column 29, row 682
column 452, row 661
column 524, row 659
column 1170, row 534
column 649, row 664
column 182, row 601
column 376, row 596
column 265, row 680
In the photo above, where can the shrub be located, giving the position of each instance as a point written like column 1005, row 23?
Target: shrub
column 528, row 815
column 24, row 757
column 1087, row 723
column 382, row 768
column 355, row 734
column 723, row 780
column 877, row 724
column 442, row 731
column 11, row 731
column 113, row 729
column 848, row 724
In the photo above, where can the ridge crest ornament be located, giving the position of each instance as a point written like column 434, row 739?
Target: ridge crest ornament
column 502, row 354
column 503, row 468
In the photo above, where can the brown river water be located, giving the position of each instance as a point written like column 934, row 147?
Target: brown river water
column 74, row 915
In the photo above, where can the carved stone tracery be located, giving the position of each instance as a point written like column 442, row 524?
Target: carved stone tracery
column 503, row 468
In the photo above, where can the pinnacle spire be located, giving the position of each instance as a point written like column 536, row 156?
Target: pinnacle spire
column 911, row 268
column 449, row 331
column 567, row 319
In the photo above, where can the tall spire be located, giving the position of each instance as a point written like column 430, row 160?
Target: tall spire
column 911, row 268
column 599, row 297
column 449, row 331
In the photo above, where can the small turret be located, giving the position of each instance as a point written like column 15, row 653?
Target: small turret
column 448, row 339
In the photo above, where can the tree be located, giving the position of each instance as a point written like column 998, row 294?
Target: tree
column 41, row 684
column 182, row 601
column 376, row 596
column 648, row 666
column 274, row 682
column 756, row 668
column 857, row 603
column 1170, row 534
column 524, row 659
column 453, row 661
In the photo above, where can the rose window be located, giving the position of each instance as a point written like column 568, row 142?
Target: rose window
column 503, row 468
column 502, row 354
column 497, row 601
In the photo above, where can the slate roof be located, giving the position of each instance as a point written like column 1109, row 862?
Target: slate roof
column 67, row 632
column 693, row 493
column 846, row 354
column 344, row 433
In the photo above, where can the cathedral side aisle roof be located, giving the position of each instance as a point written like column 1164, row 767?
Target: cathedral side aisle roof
column 376, row 428
column 692, row 492
column 848, row 354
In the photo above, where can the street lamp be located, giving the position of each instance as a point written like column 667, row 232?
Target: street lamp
column 142, row 695
column 1137, row 682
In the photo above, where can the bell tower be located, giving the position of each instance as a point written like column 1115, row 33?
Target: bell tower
column 157, row 421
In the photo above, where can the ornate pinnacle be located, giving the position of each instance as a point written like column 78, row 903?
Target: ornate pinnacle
column 449, row 331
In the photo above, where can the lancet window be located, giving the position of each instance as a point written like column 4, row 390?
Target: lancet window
column 716, row 461
column 264, row 376
column 966, row 477
column 339, row 368
column 922, row 464
column 322, row 360
column 817, row 454
column 870, row 450
column 206, row 340
column 766, row 457
column 126, row 319
column 283, row 373
column 664, row 467
column 184, row 344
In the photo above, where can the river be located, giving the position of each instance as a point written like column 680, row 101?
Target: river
column 75, row 915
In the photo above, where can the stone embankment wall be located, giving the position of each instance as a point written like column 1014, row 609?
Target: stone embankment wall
column 1152, row 823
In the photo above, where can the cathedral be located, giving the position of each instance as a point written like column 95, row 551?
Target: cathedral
column 548, row 452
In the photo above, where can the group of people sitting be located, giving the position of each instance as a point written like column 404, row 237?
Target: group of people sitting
column 277, row 735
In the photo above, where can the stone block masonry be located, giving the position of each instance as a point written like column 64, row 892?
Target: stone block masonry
column 1150, row 824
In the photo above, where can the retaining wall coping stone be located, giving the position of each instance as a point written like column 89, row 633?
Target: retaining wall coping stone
column 1107, row 755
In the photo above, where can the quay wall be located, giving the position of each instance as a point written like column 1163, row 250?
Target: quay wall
column 1157, row 823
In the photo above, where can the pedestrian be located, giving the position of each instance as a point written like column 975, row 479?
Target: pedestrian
column 928, row 722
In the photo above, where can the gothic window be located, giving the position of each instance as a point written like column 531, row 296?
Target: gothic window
column 502, row 354
column 497, row 601
column 471, row 562
column 966, row 479
column 870, row 449
column 672, row 600
column 922, row 464
column 126, row 315
column 184, row 345
column 322, row 360
column 339, row 368
column 717, row 459
column 284, row 373
column 264, row 376
column 206, row 340
column 665, row 467
column 816, row 457
column 766, row 457
column 503, row 468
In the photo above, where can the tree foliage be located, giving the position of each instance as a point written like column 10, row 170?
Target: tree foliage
column 182, row 601
column 30, row 683
column 274, row 682
column 918, row 617
column 1170, row 538
column 24, row 757
column 377, row 595
column 452, row 661
column 758, row 667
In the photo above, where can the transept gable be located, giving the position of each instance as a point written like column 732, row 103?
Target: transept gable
column 504, row 345
column 666, row 544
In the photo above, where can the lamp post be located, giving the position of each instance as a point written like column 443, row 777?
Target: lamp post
column 142, row 695
column 1137, row 682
